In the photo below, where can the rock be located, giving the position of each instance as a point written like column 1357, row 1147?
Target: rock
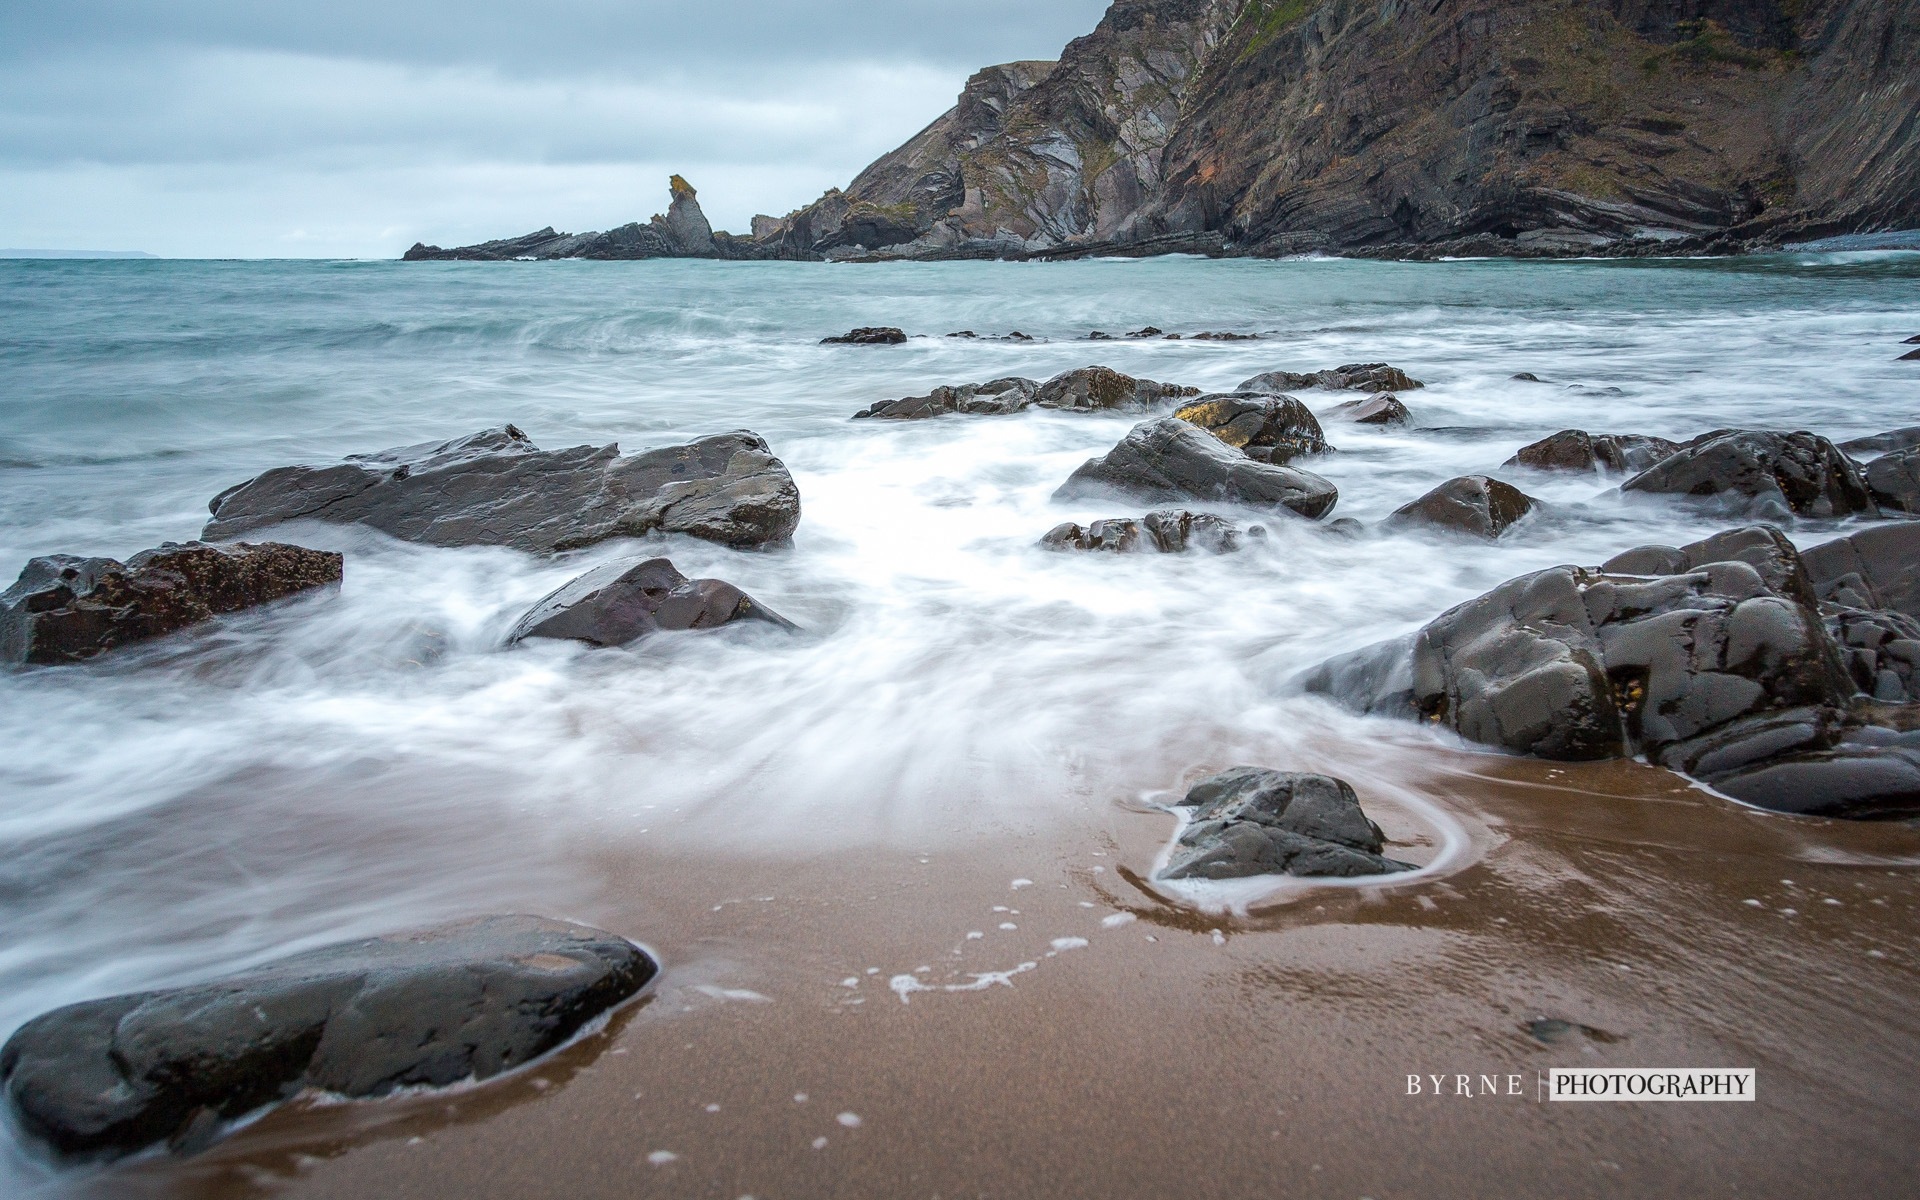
column 1881, row 649
column 1894, row 480
column 1610, row 453
column 1381, row 410
column 1169, row 460
column 1809, row 761
column 682, row 233
column 1091, row 389
column 1877, row 568
column 1760, row 474
column 1912, row 341
column 1260, row 425
column 1883, row 443
column 495, row 488
column 867, row 335
column 1909, row 356
column 1146, row 332
column 1354, row 377
column 1252, row 821
column 622, row 602
column 1213, row 336
column 1761, row 547
column 1526, row 377
column 1471, row 504
column 68, row 609
column 358, row 1019
column 999, row 396
column 1169, row 531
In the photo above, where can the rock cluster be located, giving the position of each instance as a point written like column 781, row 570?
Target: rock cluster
column 1252, row 821
column 1168, row 460
column 1354, row 377
column 1607, row 453
column 1169, row 531
column 1760, row 474
column 996, row 397
column 622, row 602
column 1086, row 389
column 867, row 335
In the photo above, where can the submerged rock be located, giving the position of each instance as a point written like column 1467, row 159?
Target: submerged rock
column 68, row 609
column 1610, row 453
column 496, row 488
column 1472, row 504
column 358, row 1019
column 1354, row 377
column 1169, row 531
column 1169, row 460
column 867, row 335
column 995, row 397
column 1091, row 389
column 1760, row 474
column 1380, row 410
column 1894, row 480
column 1260, row 425
column 622, row 602
column 1252, row 821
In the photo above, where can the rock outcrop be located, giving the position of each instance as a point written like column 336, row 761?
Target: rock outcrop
column 1760, row 474
column 1354, row 377
column 996, row 397
column 1475, row 505
column 364, row 1018
column 1263, row 426
column 681, row 232
column 622, row 602
column 68, row 609
column 1606, row 453
column 1169, row 531
column 1167, row 461
column 496, row 488
column 1252, row 821
column 1877, row 568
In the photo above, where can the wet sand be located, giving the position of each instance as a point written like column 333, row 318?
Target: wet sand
column 1179, row 1053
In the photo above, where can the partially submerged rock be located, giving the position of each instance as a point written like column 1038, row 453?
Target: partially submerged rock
column 1252, row 821
column 1354, row 377
column 1894, row 480
column 1472, row 504
column 358, row 1019
column 1260, row 425
column 995, row 397
column 1102, row 389
column 1380, row 410
column 1169, row 460
column 67, row 609
column 1169, row 531
column 1608, row 453
column 622, row 602
column 1760, row 473
column 496, row 488
column 867, row 335
column 1883, row 443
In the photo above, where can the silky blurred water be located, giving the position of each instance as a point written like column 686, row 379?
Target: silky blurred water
column 366, row 760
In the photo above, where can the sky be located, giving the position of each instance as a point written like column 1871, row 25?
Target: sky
column 353, row 128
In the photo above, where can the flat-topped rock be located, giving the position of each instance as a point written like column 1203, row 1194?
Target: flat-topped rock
column 1102, row 389
column 1476, row 505
column 1253, row 821
column 69, row 609
column 1760, row 473
column 1354, row 377
column 996, row 397
column 1167, row 461
column 1607, row 453
column 1169, row 531
column 1263, row 426
column 622, row 602
column 496, row 488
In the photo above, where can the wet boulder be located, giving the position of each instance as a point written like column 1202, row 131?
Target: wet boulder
column 1166, row 461
column 1762, row 547
column 1354, row 377
column 1262, row 426
column 867, row 335
column 1760, row 473
column 996, row 397
column 1814, row 761
column 1102, row 389
column 1608, row 453
column 496, row 488
column 1252, row 821
column 622, row 602
column 1894, row 480
column 1472, row 504
column 358, row 1019
column 1877, row 568
column 68, row 609
column 1379, row 410
column 1168, row 531
column 1883, row 443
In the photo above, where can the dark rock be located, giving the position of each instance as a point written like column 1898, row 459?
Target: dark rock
column 359, row 1019
column 1912, row 341
column 1259, row 424
column 867, row 335
column 1881, row 649
column 1877, row 568
column 622, row 602
column 1578, row 450
column 1894, row 480
column 1147, row 332
column 1526, row 377
column 1208, row 336
column 1381, row 410
column 1252, row 821
column 68, row 609
column 1169, row 531
column 1099, row 335
column 1761, row 547
column 1909, row 356
column 1761, row 474
column 497, row 488
column 682, row 233
column 1169, row 460
column 1883, row 443
column 1809, row 761
column 999, row 396
column 1102, row 389
column 1471, row 504
column 1354, row 377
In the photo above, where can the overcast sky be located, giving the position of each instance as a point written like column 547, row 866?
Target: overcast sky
column 354, row 127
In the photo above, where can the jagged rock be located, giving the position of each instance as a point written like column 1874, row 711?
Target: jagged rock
column 1578, row 450
column 684, row 225
column 1380, row 410
column 1354, row 377
column 1909, row 356
column 1877, row 568
column 867, row 335
column 1883, row 443
column 1881, row 649
column 995, row 397
column 497, row 488
column 1759, row 473
column 1169, row 531
column 359, row 1019
column 1252, row 821
column 1102, row 389
column 1209, row 336
column 1894, row 480
column 1169, row 460
column 682, row 233
column 1146, row 332
column 1261, row 425
column 1471, row 504
column 622, row 602
column 67, row 609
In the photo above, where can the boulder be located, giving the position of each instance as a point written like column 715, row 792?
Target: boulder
column 1260, row 425
column 1883, row 443
column 496, row 488
column 1091, row 389
column 358, row 1019
column 1471, row 504
column 867, row 335
column 1761, row 547
column 1881, row 648
column 1252, row 821
column 1909, row 356
column 1169, row 531
column 622, row 602
column 1169, row 460
column 1760, row 474
column 1608, row 453
column 1894, row 480
column 1354, row 377
column 1380, row 410
column 995, row 397
column 67, row 609
column 1877, row 568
